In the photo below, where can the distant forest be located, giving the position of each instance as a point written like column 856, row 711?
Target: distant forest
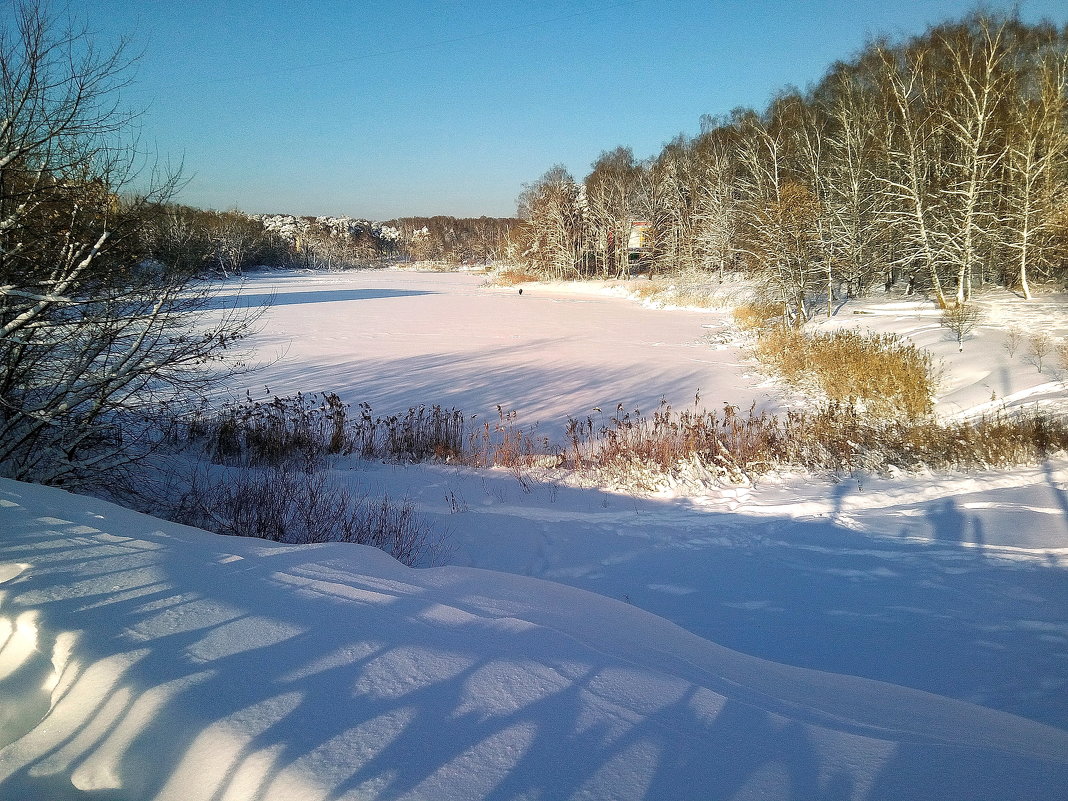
column 940, row 162
column 230, row 242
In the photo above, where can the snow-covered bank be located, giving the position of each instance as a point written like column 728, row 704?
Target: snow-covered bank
column 950, row 584
column 145, row 660
column 583, row 643
column 953, row 584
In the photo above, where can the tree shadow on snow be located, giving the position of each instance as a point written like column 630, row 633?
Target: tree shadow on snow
column 386, row 682
column 258, row 300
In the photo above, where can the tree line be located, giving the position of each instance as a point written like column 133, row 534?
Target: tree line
column 454, row 240
column 940, row 161
column 230, row 242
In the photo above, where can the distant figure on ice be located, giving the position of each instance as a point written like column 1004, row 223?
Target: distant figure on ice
column 520, row 290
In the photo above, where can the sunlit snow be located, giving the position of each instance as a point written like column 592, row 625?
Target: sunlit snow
column 861, row 638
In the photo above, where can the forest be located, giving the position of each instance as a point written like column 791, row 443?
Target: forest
column 938, row 163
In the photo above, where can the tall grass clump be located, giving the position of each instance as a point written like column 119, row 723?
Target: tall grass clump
column 306, row 429
column 738, row 445
column 513, row 276
column 882, row 375
column 294, row 435
column 688, row 294
column 756, row 316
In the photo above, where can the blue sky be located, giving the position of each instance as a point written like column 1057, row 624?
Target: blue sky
column 386, row 108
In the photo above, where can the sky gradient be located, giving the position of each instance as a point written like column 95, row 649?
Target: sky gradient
column 387, row 108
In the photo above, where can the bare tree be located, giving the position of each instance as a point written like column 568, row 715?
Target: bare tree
column 1037, row 153
column 612, row 190
column 942, row 157
column 1040, row 346
column 854, row 151
column 914, row 152
column 961, row 319
column 976, row 87
column 93, row 343
column 780, row 232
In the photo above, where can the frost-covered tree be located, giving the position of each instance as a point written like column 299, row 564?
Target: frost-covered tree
column 93, row 341
column 552, row 237
column 613, row 188
column 941, row 157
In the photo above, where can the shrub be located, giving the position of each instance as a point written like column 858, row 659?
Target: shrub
column 1012, row 340
column 513, row 276
column 1039, row 348
column 961, row 319
column 757, row 316
column 300, row 507
column 884, row 375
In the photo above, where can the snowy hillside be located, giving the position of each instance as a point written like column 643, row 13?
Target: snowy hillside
column 144, row 660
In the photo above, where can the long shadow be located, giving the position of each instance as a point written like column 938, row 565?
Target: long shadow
column 1059, row 495
column 256, row 300
column 951, row 615
column 947, row 521
column 508, row 375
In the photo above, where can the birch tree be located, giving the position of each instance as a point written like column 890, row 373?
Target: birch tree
column 612, row 192
column 779, row 215
column 975, row 89
column 715, row 229
column 552, row 236
column 1035, row 164
column 914, row 143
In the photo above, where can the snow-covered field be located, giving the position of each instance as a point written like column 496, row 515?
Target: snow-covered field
column 865, row 638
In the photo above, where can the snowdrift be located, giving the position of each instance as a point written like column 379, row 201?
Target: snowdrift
column 145, row 660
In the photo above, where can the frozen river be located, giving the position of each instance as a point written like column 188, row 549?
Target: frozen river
column 396, row 338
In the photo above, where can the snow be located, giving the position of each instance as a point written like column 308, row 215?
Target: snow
column 396, row 338
column 142, row 659
column 984, row 377
column 805, row 637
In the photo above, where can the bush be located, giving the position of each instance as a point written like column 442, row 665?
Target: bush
column 884, row 375
column 756, row 316
column 513, row 276
column 961, row 319
column 300, row 507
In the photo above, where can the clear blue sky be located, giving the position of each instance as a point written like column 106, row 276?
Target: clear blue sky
column 387, row 108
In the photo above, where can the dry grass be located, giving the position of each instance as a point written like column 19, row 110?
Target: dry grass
column 645, row 290
column 635, row 449
column 882, row 374
column 735, row 445
column 305, row 429
column 512, row 277
column 756, row 316
column 679, row 293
